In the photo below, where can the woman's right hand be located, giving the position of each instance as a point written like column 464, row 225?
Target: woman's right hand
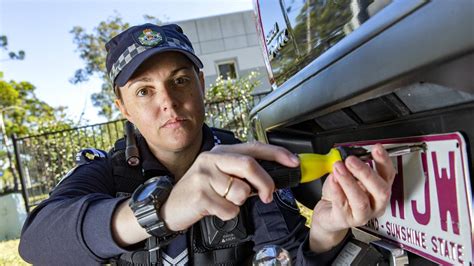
column 220, row 181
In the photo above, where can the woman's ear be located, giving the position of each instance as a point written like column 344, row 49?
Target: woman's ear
column 123, row 109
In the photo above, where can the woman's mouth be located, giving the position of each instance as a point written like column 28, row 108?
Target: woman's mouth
column 174, row 123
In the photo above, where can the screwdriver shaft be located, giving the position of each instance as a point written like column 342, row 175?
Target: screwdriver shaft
column 396, row 151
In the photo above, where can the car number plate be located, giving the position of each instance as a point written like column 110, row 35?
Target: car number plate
column 430, row 210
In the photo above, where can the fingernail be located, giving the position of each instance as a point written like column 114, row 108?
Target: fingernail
column 338, row 169
column 382, row 152
column 379, row 152
column 354, row 163
column 295, row 158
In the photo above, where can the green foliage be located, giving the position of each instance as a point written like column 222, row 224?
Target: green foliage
column 228, row 103
column 8, row 94
column 322, row 24
column 91, row 49
column 152, row 19
column 3, row 41
column 22, row 113
column 318, row 26
column 225, row 89
column 20, row 55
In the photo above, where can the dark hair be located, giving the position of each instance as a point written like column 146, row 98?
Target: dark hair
column 117, row 92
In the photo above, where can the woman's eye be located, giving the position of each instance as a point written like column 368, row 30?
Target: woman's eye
column 142, row 92
column 181, row 81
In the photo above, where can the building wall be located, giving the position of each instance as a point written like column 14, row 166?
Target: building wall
column 227, row 37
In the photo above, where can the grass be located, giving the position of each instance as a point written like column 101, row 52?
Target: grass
column 9, row 253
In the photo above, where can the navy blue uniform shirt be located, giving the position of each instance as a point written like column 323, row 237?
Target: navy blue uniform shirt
column 73, row 226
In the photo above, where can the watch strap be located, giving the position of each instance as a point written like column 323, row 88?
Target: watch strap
column 148, row 216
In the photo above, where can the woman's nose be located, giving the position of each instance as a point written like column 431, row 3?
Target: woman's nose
column 168, row 99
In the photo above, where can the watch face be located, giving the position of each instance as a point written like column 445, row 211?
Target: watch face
column 147, row 190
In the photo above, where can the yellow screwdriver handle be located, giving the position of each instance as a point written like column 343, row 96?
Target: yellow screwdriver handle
column 314, row 166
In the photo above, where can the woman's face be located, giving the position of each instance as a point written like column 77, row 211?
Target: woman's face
column 164, row 100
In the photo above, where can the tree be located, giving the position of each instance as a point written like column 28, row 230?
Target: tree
column 228, row 103
column 317, row 26
column 22, row 113
column 30, row 115
column 91, row 48
column 20, row 55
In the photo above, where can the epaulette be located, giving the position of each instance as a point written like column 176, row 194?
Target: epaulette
column 83, row 157
column 88, row 155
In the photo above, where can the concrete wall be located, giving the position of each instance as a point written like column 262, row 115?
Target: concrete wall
column 227, row 37
column 13, row 215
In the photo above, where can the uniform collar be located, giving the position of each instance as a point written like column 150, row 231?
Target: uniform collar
column 151, row 165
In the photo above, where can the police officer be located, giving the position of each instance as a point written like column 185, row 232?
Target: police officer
column 190, row 199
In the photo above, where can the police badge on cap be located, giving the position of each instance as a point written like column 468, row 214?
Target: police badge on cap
column 150, row 37
column 129, row 49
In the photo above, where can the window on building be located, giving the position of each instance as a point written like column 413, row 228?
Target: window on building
column 227, row 69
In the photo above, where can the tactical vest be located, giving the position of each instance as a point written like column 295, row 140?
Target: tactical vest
column 127, row 178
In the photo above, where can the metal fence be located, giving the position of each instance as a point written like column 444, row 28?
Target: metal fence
column 43, row 159
column 232, row 114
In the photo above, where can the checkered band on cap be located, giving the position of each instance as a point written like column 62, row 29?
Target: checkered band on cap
column 125, row 58
column 172, row 42
column 136, row 49
column 217, row 140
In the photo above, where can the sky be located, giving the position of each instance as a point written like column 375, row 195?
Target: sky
column 42, row 29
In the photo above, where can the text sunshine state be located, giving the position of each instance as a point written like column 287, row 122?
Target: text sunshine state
column 445, row 180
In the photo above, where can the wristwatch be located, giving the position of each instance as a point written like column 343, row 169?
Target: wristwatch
column 146, row 203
